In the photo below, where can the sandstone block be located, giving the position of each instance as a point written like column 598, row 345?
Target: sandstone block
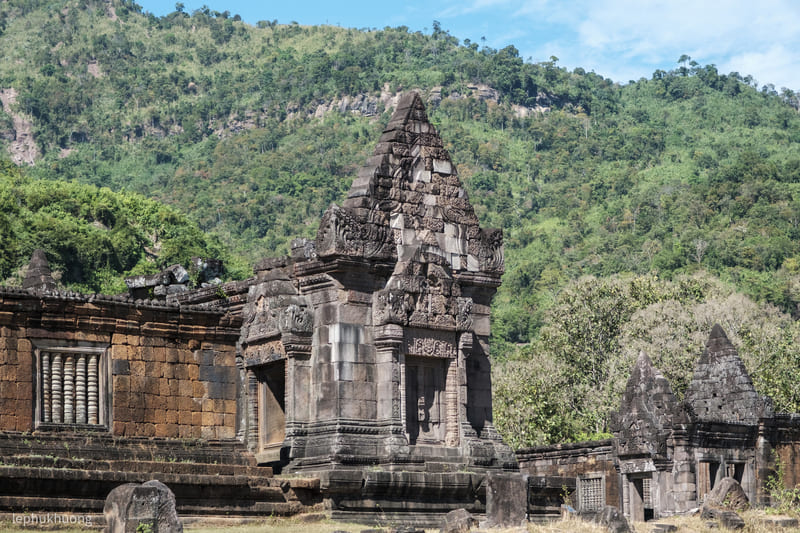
column 133, row 507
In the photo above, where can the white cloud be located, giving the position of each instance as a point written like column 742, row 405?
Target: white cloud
column 777, row 65
column 627, row 39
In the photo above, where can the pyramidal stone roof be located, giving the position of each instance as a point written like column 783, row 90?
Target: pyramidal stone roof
column 721, row 389
column 647, row 412
column 407, row 203
column 407, row 211
column 39, row 278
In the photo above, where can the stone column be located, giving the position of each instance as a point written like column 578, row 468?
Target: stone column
column 252, row 410
column 92, row 391
column 391, row 387
column 465, row 347
column 241, row 397
column 452, row 393
column 80, row 389
column 298, row 381
column 45, row 381
column 69, row 389
column 55, row 389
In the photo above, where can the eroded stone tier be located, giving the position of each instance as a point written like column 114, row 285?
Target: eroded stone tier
column 721, row 389
column 647, row 412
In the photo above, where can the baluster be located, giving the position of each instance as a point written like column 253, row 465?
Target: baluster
column 93, row 394
column 69, row 390
column 55, row 385
column 252, row 408
column 80, row 390
column 45, row 380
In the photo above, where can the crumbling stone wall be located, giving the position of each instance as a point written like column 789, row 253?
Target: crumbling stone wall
column 568, row 462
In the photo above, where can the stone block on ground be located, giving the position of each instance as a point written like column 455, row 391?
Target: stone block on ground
column 663, row 528
column 728, row 494
column 150, row 505
column 458, row 521
column 609, row 517
column 506, row 499
column 726, row 518
column 778, row 521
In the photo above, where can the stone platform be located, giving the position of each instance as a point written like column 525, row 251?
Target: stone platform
column 70, row 473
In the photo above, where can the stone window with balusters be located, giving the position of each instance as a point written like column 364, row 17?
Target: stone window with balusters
column 71, row 385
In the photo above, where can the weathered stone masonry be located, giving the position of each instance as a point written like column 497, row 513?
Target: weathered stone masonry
column 158, row 371
column 667, row 456
column 361, row 359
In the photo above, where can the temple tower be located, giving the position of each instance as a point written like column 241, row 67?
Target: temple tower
column 369, row 346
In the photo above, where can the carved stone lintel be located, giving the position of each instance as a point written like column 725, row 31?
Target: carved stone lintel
column 430, row 343
column 263, row 358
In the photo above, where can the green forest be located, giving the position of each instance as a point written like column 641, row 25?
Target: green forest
column 636, row 213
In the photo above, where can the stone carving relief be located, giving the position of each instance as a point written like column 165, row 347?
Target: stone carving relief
column 273, row 309
column 296, row 319
column 490, row 251
column 427, row 343
column 264, row 353
column 392, row 306
column 341, row 232
column 430, row 347
column 464, row 314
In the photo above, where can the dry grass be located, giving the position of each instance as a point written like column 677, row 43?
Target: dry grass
column 686, row 524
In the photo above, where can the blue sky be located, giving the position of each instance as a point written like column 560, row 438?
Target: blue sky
column 618, row 39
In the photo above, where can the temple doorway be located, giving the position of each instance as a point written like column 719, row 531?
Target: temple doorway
column 425, row 399
column 271, row 406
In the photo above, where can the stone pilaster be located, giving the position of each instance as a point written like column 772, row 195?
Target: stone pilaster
column 465, row 347
column 389, row 377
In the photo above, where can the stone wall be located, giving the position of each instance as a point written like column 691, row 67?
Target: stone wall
column 16, row 378
column 572, row 461
column 779, row 439
column 172, row 369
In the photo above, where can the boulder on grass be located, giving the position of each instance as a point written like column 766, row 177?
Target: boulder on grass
column 458, row 521
column 728, row 494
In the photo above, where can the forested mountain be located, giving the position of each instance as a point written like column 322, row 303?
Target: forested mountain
column 627, row 207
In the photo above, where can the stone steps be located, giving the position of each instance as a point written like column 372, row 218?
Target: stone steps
column 248, row 508
column 105, row 447
column 74, row 473
column 195, row 493
column 169, row 467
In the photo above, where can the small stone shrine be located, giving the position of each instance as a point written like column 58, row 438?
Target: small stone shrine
column 667, row 456
column 360, row 362
column 368, row 347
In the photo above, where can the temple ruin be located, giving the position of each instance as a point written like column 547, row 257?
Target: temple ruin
column 359, row 363
column 667, row 456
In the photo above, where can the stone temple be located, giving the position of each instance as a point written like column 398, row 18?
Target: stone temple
column 359, row 363
column 667, row 456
